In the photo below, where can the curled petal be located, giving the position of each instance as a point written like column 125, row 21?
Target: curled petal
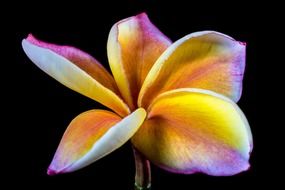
column 133, row 46
column 76, row 70
column 91, row 136
column 207, row 60
column 195, row 130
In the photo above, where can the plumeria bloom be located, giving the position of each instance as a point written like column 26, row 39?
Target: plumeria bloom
column 174, row 101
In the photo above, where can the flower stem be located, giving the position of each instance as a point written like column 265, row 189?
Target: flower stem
column 143, row 173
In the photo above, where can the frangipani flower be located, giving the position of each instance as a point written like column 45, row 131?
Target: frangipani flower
column 174, row 101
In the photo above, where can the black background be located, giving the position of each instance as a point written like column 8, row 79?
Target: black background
column 44, row 107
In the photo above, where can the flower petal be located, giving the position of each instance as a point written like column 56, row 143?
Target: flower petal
column 134, row 44
column 195, row 130
column 207, row 60
column 91, row 136
column 76, row 70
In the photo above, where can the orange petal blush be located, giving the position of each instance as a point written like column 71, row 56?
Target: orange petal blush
column 207, row 60
column 92, row 135
column 133, row 46
column 195, row 130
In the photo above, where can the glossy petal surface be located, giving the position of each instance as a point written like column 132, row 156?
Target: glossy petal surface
column 76, row 70
column 194, row 130
column 207, row 60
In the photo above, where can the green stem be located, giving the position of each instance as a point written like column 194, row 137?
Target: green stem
column 143, row 173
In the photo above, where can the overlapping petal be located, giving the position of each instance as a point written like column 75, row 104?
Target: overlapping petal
column 76, row 70
column 195, row 130
column 92, row 135
column 188, row 88
column 207, row 60
column 133, row 46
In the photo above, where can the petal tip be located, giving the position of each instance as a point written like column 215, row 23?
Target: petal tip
column 242, row 43
column 25, row 46
column 248, row 167
column 23, row 42
column 31, row 38
column 51, row 172
column 142, row 15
